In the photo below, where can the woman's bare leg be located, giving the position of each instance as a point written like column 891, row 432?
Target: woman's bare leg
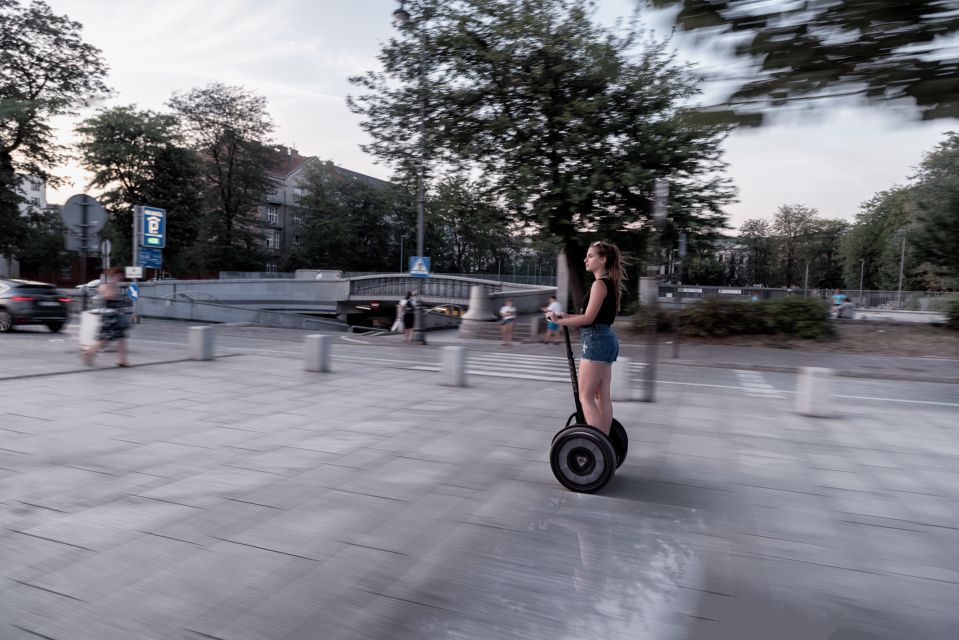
column 590, row 379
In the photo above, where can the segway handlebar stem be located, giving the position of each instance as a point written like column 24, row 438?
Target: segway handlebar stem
column 580, row 416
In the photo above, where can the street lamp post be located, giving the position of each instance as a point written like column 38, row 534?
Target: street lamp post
column 862, row 268
column 401, row 16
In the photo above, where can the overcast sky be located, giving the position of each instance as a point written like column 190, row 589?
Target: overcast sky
column 299, row 54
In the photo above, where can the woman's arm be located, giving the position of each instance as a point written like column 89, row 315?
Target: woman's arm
column 596, row 295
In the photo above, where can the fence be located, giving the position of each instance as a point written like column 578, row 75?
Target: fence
column 864, row 299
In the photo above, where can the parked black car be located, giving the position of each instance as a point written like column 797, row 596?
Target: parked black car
column 26, row 302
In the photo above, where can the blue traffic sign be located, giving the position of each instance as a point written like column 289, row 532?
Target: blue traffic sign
column 419, row 266
column 150, row 258
column 153, row 228
column 133, row 291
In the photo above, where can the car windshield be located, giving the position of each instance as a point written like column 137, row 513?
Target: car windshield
column 36, row 289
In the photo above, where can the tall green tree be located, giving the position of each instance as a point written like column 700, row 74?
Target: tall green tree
column 569, row 121
column 791, row 226
column 873, row 245
column 137, row 158
column 46, row 70
column 472, row 227
column 755, row 235
column 880, row 50
column 350, row 223
column 821, row 249
column 936, row 232
column 229, row 128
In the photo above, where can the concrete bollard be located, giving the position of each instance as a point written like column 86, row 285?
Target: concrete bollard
column 621, row 388
column 318, row 349
column 813, row 392
column 536, row 324
column 201, row 343
column 454, row 367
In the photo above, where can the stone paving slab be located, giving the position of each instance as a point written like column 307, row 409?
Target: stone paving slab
column 246, row 498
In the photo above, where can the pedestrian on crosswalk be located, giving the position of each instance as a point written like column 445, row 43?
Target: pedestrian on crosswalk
column 600, row 344
column 507, row 314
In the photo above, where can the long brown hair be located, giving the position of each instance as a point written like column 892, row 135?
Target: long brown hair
column 615, row 267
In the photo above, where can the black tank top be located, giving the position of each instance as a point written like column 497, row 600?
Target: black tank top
column 607, row 312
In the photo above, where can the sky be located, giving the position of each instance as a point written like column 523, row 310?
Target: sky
column 299, row 54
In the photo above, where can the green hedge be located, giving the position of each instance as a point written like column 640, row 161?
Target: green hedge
column 790, row 316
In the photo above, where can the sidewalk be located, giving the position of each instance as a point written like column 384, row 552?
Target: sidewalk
column 247, row 499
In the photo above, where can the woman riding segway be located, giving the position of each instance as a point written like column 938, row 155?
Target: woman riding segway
column 583, row 460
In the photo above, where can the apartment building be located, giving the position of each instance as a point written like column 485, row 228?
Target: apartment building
column 283, row 222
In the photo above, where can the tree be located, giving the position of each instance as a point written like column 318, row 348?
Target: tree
column 568, row 121
column 803, row 51
column 791, row 226
column 350, row 223
column 43, row 249
column 229, row 128
column 756, row 237
column 821, row 249
column 874, row 244
column 137, row 158
column 46, row 70
column 936, row 232
column 471, row 225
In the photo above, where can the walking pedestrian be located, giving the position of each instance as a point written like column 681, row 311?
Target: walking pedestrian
column 507, row 314
column 552, row 329
column 114, row 322
column 600, row 344
column 409, row 316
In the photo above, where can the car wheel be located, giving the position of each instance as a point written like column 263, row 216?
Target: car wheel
column 6, row 321
column 54, row 327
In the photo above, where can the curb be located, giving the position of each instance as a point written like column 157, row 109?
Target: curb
column 49, row 374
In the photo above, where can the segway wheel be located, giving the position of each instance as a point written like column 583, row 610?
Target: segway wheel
column 617, row 437
column 582, row 458
column 620, row 442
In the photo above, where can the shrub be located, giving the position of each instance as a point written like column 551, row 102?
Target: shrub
column 801, row 317
column 713, row 317
column 791, row 316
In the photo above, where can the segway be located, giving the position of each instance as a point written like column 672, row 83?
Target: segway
column 581, row 456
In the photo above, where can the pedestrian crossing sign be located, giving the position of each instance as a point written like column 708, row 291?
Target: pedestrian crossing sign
column 419, row 266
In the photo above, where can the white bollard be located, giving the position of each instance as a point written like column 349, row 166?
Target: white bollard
column 813, row 392
column 318, row 349
column 536, row 326
column 621, row 388
column 454, row 367
column 201, row 343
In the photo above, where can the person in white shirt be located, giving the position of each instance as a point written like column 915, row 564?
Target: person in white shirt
column 552, row 329
column 507, row 314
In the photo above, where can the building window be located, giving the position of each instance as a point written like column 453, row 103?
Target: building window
column 297, row 221
column 35, row 202
column 272, row 213
column 272, row 239
column 296, row 241
column 272, row 190
column 271, row 266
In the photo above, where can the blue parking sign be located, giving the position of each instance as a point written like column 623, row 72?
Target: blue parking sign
column 153, row 227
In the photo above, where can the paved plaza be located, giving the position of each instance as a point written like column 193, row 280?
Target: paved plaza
column 245, row 498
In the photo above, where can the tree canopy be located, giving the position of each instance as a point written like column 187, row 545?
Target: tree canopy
column 46, row 70
column 229, row 128
column 881, row 50
column 570, row 122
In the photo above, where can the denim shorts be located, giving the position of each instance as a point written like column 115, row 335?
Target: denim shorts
column 600, row 344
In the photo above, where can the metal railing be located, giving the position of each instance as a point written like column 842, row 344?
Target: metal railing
column 864, row 299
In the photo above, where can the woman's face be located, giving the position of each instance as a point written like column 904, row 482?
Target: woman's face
column 594, row 262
